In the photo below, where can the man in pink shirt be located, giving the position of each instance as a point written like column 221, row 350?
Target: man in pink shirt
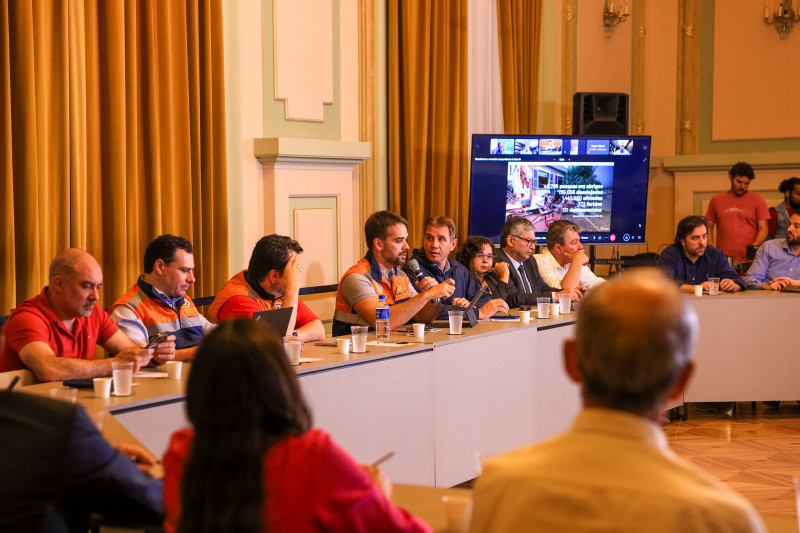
column 740, row 216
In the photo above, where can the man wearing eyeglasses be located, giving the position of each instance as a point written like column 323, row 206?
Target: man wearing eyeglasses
column 518, row 240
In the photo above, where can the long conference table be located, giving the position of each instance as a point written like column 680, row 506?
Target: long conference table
column 446, row 402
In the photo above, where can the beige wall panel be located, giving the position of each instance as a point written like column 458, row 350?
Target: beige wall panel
column 348, row 61
column 303, row 56
column 244, row 121
column 320, row 260
column 756, row 75
column 285, row 180
column 604, row 61
column 661, row 66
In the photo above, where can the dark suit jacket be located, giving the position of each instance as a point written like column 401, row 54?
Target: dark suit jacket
column 517, row 295
column 56, row 469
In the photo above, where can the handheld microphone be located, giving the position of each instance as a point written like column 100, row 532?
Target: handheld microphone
column 413, row 264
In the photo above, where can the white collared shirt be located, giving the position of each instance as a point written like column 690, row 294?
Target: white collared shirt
column 552, row 272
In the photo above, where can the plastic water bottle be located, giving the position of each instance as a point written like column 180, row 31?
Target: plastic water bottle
column 382, row 319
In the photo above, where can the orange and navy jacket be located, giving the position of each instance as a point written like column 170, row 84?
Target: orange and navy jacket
column 243, row 285
column 159, row 314
column 397, row 292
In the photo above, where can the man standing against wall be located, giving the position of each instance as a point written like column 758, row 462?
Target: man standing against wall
column 740, row 216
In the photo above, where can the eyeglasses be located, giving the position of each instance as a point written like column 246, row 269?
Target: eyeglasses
column 484, row 256
column 530, row 242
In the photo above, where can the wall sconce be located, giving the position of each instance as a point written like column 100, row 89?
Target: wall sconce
column 784, row 17
column 611, row 17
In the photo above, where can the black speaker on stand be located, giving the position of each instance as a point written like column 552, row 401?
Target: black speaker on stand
column 600, row 114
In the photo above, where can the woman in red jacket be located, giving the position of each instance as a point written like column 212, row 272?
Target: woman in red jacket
column 252, row 463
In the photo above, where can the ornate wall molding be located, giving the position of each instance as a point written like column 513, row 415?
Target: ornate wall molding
column 311, row 151
column 688, row 100
column 568, row 65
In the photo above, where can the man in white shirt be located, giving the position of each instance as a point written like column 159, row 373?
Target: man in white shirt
column 613, row 470
column 563, row 264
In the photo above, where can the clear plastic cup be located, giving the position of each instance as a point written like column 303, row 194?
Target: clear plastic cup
column 359, row 338
column 543, row 307
column 292, row 345
column 713, row 286
column 122, row 373
column 456, row 320
column 565, row 304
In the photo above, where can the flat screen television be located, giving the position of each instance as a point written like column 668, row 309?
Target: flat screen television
column 600, row 183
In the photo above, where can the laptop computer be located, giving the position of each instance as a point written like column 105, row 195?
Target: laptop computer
column 470, row 312
column 277, row 319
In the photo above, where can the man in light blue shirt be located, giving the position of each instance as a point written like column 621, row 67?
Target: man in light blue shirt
column 777, row 262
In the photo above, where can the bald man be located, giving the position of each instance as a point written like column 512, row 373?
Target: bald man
column 55, row 333
column 613, row 470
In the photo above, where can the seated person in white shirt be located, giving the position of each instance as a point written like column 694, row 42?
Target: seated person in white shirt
column 564, row 264
column 613, row 469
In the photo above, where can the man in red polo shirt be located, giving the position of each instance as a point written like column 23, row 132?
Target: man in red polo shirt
column 55, row 333
column 271, row 281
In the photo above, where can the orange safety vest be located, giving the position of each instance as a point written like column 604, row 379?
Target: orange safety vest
column 238, row 286
column 398, row 291
column 184, row 321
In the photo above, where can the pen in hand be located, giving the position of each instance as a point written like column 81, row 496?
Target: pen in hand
column 383, row 459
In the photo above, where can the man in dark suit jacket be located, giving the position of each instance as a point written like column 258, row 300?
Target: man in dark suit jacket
column 56, row 469
column 518, row 240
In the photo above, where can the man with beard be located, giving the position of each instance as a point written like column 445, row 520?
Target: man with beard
column 438, row 241
column 740, row 216
column 378, row 273
column 777, row 262
column 55, row 333
column 691, row 261
column 781, row 213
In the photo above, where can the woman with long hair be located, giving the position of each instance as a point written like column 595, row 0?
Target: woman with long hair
column 252, row 463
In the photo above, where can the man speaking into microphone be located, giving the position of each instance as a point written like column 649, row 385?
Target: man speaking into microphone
column 432, row 261
column 377, row 273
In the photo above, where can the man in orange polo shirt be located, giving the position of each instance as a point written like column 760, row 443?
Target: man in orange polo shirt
column 157, row 302
column 55, row 333
column 271, row 281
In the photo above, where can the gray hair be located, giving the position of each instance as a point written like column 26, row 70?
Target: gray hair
column 634, row 336
column 557, row 232
column 514, row 226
